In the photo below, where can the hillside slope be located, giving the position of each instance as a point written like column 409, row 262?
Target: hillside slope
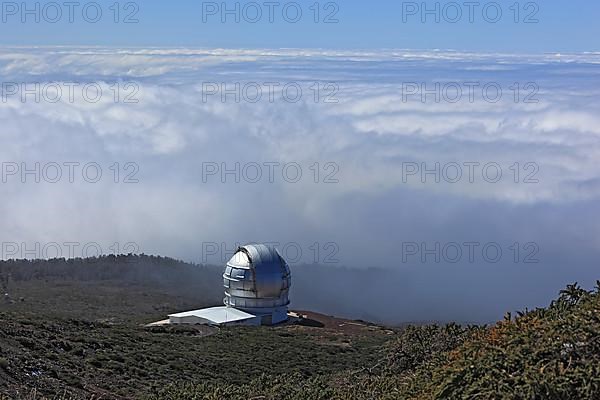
column 75, row 330
column 551, row 353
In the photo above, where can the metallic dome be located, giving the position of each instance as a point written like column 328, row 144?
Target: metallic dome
column 256, row 278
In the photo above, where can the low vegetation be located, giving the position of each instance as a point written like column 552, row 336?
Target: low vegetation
column 72, row 330
column 551, row 353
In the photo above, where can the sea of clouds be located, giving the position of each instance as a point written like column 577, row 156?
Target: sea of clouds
column 363, row 134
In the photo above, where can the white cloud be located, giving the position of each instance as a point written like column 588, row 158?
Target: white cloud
column 369, row 134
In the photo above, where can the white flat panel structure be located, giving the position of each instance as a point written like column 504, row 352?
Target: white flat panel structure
column 215, row 316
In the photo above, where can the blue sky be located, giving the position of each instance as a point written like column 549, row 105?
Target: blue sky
column 562, row 26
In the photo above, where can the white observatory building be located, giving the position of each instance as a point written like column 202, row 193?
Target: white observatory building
column 257, row 283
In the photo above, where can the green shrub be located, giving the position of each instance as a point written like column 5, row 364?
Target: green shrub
column 551, row 354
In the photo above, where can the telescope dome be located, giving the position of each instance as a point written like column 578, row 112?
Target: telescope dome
column 257, row 279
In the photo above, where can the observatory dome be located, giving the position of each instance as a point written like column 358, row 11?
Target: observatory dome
column 257, row 280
